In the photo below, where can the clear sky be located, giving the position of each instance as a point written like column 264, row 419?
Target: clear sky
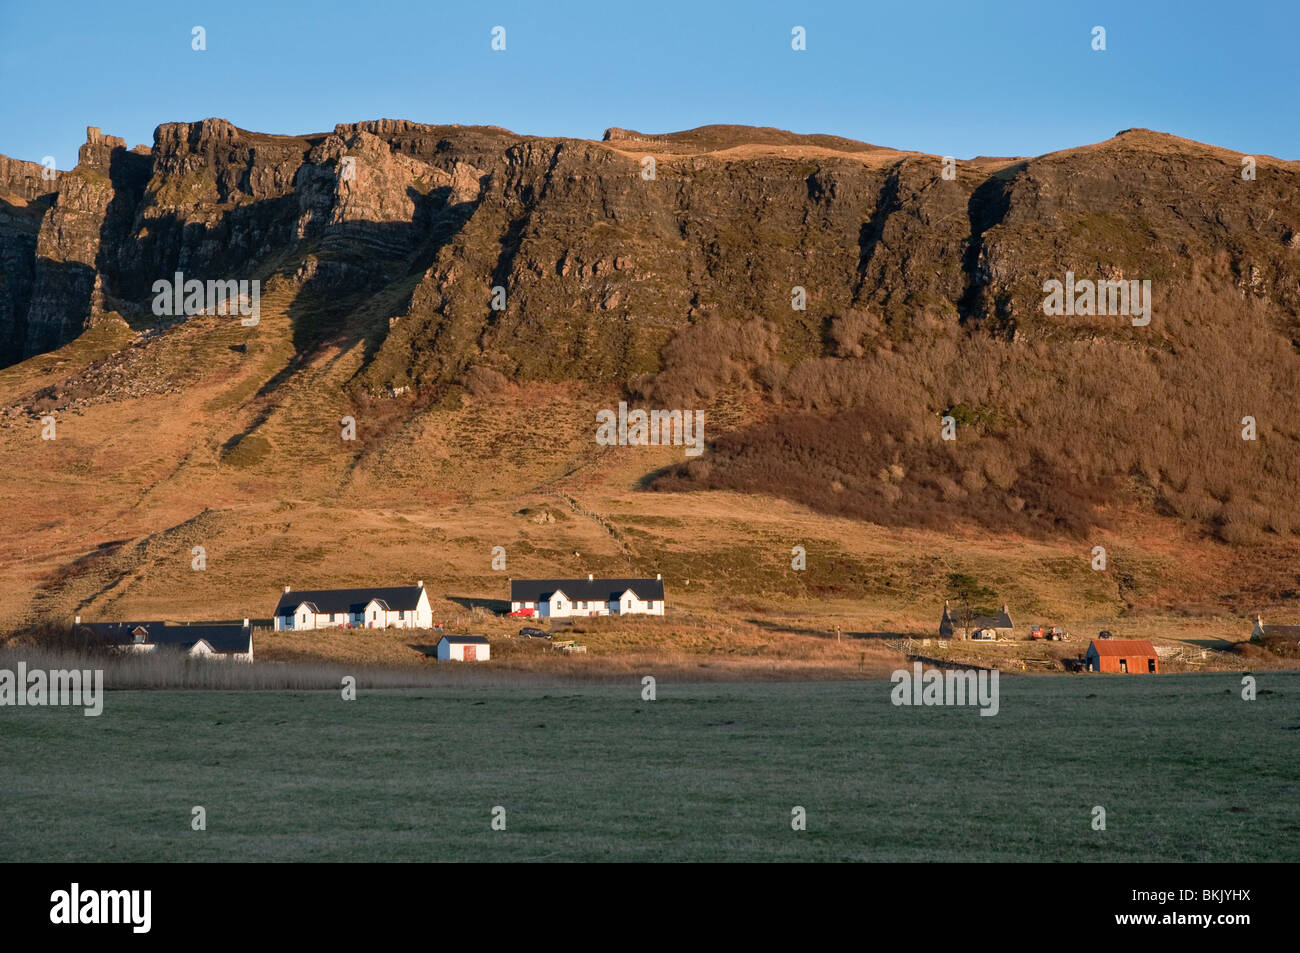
column 951, row 77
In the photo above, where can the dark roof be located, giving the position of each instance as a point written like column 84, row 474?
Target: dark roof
column 1123, row 647
column 222, row 638
column 1000, row 621
column 396, row 598
column 473, row 639
column 118, row 631
column 583, row 590
column 1280, row 631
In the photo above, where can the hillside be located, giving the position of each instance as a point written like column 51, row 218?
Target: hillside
column 475, row 426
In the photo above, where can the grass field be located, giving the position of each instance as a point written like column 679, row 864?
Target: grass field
column 1185, row 769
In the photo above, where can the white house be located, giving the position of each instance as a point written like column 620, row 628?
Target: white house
column 200, row 639
column 564, row 598
column 400, row 607
column 463, row 648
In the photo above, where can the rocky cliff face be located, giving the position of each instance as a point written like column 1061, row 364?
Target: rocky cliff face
column 26, row 192
column 89, row 220
column 601, row 261
column 861, row 292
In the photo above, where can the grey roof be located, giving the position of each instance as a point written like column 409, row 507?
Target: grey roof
column 395, row 598
column 1000, row 621
column 223, row 638
column 469, row 639
column 1281, row 631
column 583, row 590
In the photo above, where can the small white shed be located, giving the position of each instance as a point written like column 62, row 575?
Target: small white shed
column 463, row 648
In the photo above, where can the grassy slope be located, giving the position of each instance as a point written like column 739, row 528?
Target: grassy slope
column 1185, row 769
column 245, row 460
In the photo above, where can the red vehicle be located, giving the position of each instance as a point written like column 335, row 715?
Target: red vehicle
column 524, row 613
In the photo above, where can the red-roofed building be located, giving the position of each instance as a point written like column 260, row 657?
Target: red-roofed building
column 1122, row 655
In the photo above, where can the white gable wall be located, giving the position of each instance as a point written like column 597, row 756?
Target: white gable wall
column 560, row 606
column 455, row 651
column 629, row 603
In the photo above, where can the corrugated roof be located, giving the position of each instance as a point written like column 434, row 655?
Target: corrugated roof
column 1123, row 647
column 396, row 598
column 583, row 590
column 467, row 639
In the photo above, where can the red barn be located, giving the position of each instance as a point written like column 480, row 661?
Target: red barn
column 1122, row 655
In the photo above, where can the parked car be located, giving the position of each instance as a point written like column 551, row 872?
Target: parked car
column 531, row 632
column 523, row 613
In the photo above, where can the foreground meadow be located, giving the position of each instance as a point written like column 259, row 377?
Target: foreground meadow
column 1184, row 768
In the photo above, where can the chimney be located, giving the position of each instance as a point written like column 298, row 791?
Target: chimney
column 420, row 584
column 76, row 620
column 245, row 623
column 286, row 588
column 590, row 577
column 659, row 577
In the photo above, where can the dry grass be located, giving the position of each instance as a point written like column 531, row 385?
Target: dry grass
column 1050, row 433
column 103, row 520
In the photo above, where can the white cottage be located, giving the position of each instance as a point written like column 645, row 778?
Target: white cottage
column 463, row 648
column 565, row 598
column 400, row 607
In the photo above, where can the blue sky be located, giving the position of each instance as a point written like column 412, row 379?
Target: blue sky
column 952, row 78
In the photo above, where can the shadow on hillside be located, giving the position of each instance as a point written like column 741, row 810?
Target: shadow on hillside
column 987, row 207
column 358, row 260
column 1214, row 644
column 495, row 606
column 872, row 230
column 647, row 480
column 771, row 626
column 63, row 289
column 234, row 441
column 829, row 631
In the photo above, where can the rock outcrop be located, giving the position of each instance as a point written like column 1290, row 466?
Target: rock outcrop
column 598, row 263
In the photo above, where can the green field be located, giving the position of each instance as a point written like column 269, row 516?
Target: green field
column 1185, row 769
